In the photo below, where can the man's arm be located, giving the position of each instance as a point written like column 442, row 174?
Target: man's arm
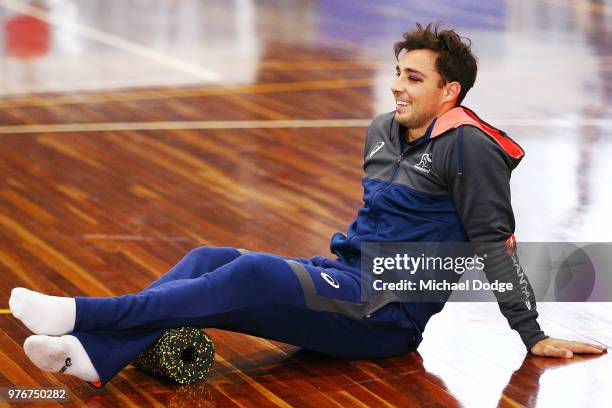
column 480, row 187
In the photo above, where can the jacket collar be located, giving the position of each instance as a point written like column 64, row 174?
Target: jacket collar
column 461, row 116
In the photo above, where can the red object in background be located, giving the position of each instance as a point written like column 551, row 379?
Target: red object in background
column 26, row 37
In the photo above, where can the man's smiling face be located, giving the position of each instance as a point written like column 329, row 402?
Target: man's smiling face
column 418, row 90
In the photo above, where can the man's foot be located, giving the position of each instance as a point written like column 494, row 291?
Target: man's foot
column 63, row 354
column 43, row 314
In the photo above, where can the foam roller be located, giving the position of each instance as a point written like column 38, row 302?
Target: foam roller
column 183, row 355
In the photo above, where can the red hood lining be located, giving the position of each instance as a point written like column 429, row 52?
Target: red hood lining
column 463, row 116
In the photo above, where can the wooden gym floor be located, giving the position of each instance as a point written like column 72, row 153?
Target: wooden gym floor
column 142, row 131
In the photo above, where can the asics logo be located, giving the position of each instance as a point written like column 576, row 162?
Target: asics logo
column 330, row 280
column 67, row 364
column 376, row 148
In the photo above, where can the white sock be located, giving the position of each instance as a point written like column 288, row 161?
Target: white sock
column 63, row 354
column 43, row 314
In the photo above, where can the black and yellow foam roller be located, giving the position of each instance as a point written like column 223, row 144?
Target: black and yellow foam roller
column 184, row 355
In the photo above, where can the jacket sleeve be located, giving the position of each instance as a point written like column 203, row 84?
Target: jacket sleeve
column 477, row 172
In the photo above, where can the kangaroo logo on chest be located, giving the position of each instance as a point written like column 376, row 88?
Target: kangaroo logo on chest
column 423, row 164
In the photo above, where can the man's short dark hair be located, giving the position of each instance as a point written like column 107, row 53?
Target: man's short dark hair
column 455, row 60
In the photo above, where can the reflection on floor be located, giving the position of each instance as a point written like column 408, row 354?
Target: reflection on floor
column 170, row 153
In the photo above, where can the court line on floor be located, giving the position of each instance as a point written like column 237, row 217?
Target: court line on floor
column 183, row 125
column 119, row 237
column 113, row 41
column 267, row 124
column 5, row 311
column 179, row 92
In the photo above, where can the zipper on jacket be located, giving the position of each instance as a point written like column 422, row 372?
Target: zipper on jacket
column 396, row 167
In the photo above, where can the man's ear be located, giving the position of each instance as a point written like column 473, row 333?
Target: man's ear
column 452, row 91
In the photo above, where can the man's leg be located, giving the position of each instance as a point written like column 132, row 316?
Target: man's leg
column 256, row 293
column 50, row 353
column 248, row 280
column 111, row 350
column 26, row 304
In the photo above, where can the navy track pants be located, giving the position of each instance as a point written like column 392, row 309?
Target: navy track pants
column 311, row 303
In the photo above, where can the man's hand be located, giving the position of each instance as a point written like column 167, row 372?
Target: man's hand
column 552, row 347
